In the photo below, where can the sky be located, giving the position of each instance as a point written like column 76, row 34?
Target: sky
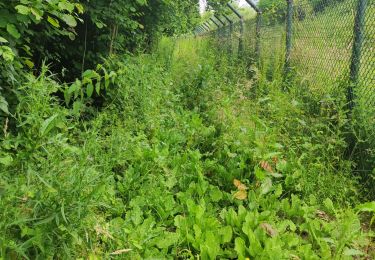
column 241, row 3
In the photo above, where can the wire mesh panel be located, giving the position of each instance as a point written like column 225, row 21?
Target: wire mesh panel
column 236, row 37
column 249, row 37
column 322, row 42
column 366, row 84
column 329, row 46
column 272, row 45
column 330, row 43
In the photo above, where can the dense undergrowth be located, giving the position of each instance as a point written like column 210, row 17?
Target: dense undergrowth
column 184, row 160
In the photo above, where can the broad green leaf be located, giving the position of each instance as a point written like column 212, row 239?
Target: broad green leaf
column 21, row 9
column 266, row 186
column 352, row 252
column 77, row 106
column 12, row 30
column 4, row 105
column 69, row 20
column 240, row 247
column 3, row 40
column 29, row 63
column 90, row 74
column 100, row 25
column 255, row 245
column 53, row 21
column 71, row 36
column 329, row 205
column 79, row 8
column 97, row 88
column 168, row 239
column 142, row 2
column 67, row 96
column 215, row 194
column 226, row 234
column 260, row 174
column 72, row 88
column 106, row 79
column 6, row 160
column 7, row 53
column 366, row 207
column 90, row 90
column 66, row 6
column 37, row 13
column 48, row 125
column 210, row 249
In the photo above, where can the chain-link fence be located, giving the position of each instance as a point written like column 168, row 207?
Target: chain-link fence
column 330, row 44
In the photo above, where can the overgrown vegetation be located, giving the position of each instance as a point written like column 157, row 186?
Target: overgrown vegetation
column 180, row 162
column 180, row 152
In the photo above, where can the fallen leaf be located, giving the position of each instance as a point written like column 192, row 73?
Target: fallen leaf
column 266, row 166
column 239, row 185
column 275, row 160
column 236, row 182
column 322, row 215
column 102, row 231
column 269, row 229
column 121, row 251
column 295, row 257
column 241, row 195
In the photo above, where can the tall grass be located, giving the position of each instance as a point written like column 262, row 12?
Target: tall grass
column 150, row 174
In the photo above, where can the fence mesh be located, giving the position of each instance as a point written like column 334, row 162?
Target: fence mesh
column 323, row 35
column 367, row 72
column 322, row 42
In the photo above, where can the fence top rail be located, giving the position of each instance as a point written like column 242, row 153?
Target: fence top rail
column 218, row 18
column 234, row 11
column 218, row 26
column 227, row 18
column 254, row 6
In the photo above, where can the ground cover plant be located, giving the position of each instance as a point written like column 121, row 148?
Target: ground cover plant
column 180, row 151
column 183, row 161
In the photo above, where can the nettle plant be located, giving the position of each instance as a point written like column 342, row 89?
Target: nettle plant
column 20, row 23
column 93, row 83
column 19, row 19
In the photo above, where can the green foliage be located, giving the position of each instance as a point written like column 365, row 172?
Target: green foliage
column 275, row 11
column 73, row 37
column 19, row 17
column 320, row 5
column 19, row 22
column 152, row 174
column 170, row 154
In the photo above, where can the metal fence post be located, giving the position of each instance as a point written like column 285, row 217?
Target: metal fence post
column 240, row 41
column 218, row 27
column 218, row 18
column 359, row 27
column 258, row 28
column 289, row 29
column 258, row 36
column 207, row 26
column 230, row 32
column 222, row 29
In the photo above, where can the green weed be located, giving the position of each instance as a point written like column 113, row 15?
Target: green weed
column 182, row 161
